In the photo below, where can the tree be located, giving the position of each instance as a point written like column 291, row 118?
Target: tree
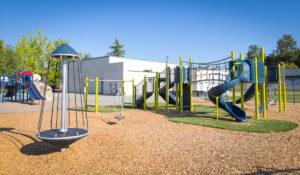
column 253, row 51
column 2, row 57
column 85, row 56
column 286, row 52
column 117, row 49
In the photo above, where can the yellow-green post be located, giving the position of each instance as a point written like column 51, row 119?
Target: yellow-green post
column 177, row 95
column 180, row 86
column 144, row 93
column 96, row 94
column 86, row 93
column 256, row 89
column 156, row 91
column 284, row 92
column 191, row 87
column 133, row 94
column 167, row 87
column 217, row 107
column 123, row 88
column 233, row 73
column 242, row 89
column 264, row 94
column 279, row 88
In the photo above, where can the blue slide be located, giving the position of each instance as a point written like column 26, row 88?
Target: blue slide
column 229, row 107
column 33, row 92
column 248, row 95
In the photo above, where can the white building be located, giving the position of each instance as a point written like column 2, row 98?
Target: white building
column 117, row 68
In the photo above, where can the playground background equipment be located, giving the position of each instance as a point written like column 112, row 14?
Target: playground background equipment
column 20, row 88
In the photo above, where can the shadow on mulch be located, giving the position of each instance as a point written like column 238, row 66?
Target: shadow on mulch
column 261, row 170
column 36, row 148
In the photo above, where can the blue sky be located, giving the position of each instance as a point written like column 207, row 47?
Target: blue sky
column 154, row 29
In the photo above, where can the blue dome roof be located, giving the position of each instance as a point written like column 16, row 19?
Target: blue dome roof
column 64, row 51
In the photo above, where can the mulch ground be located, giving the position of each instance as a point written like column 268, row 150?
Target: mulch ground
column 147, row 143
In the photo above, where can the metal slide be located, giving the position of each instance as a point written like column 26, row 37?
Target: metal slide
column 33, row 91
column 229, row 107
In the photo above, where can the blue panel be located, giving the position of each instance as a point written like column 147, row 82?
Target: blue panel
column 260, row 72
column 272, row 74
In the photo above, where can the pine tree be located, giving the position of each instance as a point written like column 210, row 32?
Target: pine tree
column 117, row 49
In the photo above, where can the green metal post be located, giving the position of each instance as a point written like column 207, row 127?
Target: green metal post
column 191, row 87
column 180, row 86
column 256, row 89
column 233, row 73
column 123, row 88
column 280, row 88
column 144, row 93
column 264, row 85
column 167, row 87
column 266, row 80
column 217, row 107
column 177, row 95
column 156, row 91
column 96, row 94
column 86, row 93
column 133, row 94
column 242, row 89
column 284, row 91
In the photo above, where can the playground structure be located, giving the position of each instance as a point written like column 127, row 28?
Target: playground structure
column 222, row 77
column 68, row 132
column 20, row 88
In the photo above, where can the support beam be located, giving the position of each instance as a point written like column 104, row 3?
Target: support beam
column 96, row 94
column 167, row 87
column 180, row 86
column 133, row 94
column 233, row 74
column 242, row 89
column 256, row 90
column 156, row 86
column 279, row 88
column 144, row 93
column 262, row 56
column 191, row 86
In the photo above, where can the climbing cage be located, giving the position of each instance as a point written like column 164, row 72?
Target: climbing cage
column 67, row 121
column 204, row 76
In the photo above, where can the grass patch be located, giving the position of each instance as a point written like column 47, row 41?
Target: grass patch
column 252, row 125
column 206, row 116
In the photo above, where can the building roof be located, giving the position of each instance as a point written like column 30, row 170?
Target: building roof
column 64, row 51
